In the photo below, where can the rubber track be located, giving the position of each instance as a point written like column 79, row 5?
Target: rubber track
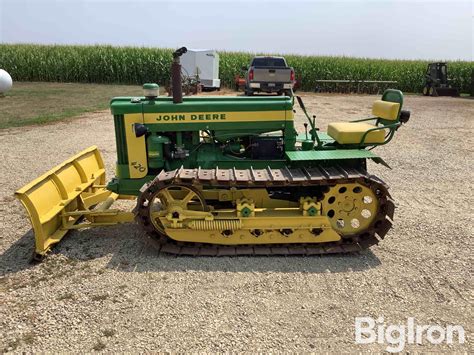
column 258, row 178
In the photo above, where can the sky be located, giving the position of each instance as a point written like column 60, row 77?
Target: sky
column 438, row 30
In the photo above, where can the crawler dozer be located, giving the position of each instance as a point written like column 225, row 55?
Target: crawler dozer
column 226, row 176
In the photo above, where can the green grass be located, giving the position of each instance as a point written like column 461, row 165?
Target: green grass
column 137, row 65
column 40, row 103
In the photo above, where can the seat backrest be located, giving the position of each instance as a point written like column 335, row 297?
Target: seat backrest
column 385, row 110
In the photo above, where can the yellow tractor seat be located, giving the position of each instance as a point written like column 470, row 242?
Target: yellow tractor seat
column 352, row 133
column 385, row 112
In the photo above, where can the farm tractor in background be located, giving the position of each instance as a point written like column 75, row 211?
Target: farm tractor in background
column 437, row 82
column 225, row 176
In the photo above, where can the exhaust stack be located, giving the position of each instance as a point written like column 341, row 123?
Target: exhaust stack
column 176, row 75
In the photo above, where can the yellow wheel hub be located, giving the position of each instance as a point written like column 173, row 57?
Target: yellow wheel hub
column 351, row 208
column 176, row 203
column 348, row 205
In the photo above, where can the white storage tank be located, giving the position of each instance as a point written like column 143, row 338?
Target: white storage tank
column 205, row 64
column 5, row 82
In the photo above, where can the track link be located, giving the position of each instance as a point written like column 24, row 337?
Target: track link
column 258, row 178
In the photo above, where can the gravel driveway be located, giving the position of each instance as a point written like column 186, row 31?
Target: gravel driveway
column 103, row 289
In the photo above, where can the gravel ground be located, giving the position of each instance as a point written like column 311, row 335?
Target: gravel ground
column 103, row 289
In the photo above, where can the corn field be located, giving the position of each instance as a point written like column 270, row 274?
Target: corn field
column 137, row 65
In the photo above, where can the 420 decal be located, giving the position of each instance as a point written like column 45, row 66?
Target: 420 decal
column 138, row 166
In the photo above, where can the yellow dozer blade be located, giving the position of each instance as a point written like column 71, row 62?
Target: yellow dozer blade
column 65, row 195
